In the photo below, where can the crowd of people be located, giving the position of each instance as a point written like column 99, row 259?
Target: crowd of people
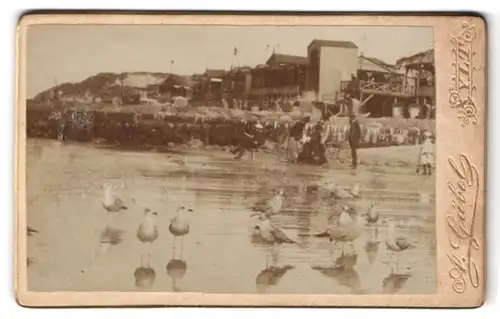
column 304, row 141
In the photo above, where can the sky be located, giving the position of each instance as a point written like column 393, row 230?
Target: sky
column 72, row 53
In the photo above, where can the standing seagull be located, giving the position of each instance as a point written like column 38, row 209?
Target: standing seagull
column 147, row 232
column 110, row 202
column 344, row 219
column 372, row 215
column 355, row 189
column 271, row 234
column 179, row 225
column 269, row 206
column 343, row 233
column 396, row 244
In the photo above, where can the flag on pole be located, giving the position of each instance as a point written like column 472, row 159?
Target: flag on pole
column 235, row 51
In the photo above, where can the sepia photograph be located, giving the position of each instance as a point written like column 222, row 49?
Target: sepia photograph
column 231, row 159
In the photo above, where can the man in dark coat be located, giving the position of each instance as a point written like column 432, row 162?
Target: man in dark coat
column 354, row 137
column 250, row 140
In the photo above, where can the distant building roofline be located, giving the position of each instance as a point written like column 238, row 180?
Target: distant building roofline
column 333, row 43
column 287, row 59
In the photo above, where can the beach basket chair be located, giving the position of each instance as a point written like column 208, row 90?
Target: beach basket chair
column 333, row 150
column 336, row 143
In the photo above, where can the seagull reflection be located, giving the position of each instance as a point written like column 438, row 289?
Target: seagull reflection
column 371, row 249
column 176, row 269
column 343, row 272
column 270, row 276
column 109, row 237
column 144, row 277
column 394, row 282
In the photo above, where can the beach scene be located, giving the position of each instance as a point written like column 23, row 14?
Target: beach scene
column 277, row 165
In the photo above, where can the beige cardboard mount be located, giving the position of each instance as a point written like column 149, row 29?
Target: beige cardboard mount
column 460, row 62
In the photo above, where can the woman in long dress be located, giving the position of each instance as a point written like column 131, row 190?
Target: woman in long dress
column 315, row 135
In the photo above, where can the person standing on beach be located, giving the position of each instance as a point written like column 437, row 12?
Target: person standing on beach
column 251, row 139
column 354, row 137
column 426, row 154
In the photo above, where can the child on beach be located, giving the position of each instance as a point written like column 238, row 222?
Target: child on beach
column 426, row 154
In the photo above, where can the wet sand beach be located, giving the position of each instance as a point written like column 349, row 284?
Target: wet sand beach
column 220, row 254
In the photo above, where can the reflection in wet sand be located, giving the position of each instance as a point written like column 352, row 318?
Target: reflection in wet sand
column 270, row 276
column 176, row 269
column 109, row 236
column 371, row 248
column 394, row 282
column 144, row 277
column 343, row 272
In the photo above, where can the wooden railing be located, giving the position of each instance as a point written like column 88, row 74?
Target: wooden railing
column 379, row 87
column 426, row 91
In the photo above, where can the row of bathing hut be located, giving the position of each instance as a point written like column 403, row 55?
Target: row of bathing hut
column 220, row 127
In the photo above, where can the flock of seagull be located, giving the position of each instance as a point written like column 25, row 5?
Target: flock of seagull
column 343, row 227
column 147, row 231
column 349, row 225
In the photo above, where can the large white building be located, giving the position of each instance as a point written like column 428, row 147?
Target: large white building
column 330, row 62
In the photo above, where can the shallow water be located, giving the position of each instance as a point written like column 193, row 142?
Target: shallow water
column 79, row 249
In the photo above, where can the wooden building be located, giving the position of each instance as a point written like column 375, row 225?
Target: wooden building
column 406, row 89
column 177, row 85
column 211, row 87
column 282, row 77
column 421, row 68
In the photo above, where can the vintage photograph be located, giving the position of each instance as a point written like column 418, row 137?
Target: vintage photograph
column 240, row 159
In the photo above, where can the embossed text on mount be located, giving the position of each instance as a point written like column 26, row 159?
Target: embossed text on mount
column 461, row 222
column 461, row 94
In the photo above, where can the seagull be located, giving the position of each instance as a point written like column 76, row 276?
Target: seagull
column 355, row 190
column 344, row 219
column 271, row 234
column 269, row 206
column 396, row 244
column 338, row 193
column 32, row 231
column 179, row 225
column 179, row 161
column 372, row 215
column 110, row 202
column 147, row 232
column 343, row 233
